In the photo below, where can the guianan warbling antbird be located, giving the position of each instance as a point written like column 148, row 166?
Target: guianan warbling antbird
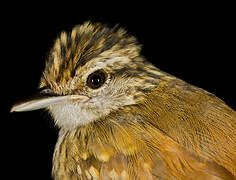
column 120, row 117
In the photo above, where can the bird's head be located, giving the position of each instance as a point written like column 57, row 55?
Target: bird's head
column 91, row 72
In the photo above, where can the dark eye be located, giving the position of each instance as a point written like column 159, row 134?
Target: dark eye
column 96, row 79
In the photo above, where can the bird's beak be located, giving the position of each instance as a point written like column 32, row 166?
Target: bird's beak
column 44, row 101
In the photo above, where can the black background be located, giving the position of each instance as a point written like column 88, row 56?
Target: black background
column 194, row 42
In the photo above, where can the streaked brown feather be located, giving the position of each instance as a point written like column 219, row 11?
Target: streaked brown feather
column 173, row 130
column 136, row 122
column 181, row 135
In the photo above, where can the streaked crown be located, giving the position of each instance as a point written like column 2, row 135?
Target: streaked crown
column 74, row 50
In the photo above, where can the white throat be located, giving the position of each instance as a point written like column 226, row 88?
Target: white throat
column 70, row 115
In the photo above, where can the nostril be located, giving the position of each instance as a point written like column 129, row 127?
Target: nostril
column 43, row 88
column 46, row 91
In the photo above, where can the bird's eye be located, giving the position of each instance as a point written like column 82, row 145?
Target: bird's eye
column 96, row 79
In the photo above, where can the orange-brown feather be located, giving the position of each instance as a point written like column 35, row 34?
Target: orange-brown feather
column 177, row 132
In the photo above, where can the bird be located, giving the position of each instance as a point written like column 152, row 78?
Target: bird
column 122, row 118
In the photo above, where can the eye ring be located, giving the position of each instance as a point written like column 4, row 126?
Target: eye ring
column 96, row 79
